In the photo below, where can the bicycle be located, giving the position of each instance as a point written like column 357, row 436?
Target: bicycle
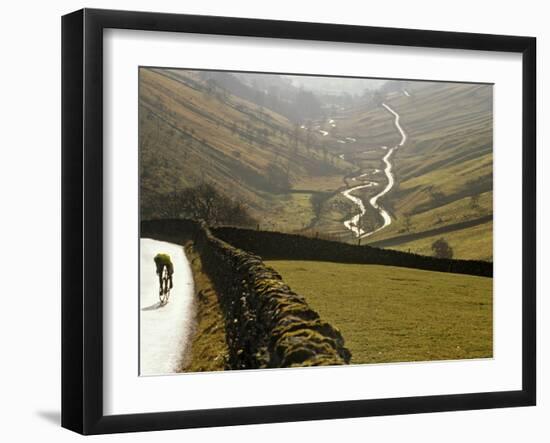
column 164, row 292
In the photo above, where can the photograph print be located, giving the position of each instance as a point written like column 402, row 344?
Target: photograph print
column 290, row 221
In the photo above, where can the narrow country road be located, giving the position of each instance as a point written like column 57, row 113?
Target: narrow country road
column 353, row 223
column 165, row 331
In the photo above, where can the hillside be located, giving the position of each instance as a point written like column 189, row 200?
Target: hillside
column 443, row 173
column 193, row 131
column 318, row 175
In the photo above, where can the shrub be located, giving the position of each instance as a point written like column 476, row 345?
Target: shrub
column 442, row 249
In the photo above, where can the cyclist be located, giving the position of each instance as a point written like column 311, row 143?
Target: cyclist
column 162, row 260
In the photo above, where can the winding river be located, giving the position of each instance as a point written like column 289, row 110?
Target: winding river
column 397, row 125
column 353, row 223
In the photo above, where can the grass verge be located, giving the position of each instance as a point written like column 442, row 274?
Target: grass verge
column 209, row 349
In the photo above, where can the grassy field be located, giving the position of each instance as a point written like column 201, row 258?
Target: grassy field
column 475, row 243
column 391, row 314
column 287, row 212
column 472, row 243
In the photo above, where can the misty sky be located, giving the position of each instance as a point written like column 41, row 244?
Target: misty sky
column 315, row 84
column 334, row 84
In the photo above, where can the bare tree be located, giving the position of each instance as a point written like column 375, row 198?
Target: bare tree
column 204, row 202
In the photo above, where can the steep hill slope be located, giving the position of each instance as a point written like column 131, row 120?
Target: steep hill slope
column 193, row 131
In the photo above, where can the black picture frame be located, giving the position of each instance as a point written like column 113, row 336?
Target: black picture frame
column 82, row 218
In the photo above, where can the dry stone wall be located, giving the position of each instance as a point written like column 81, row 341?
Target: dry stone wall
column 280, row 246
column 267, row 324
